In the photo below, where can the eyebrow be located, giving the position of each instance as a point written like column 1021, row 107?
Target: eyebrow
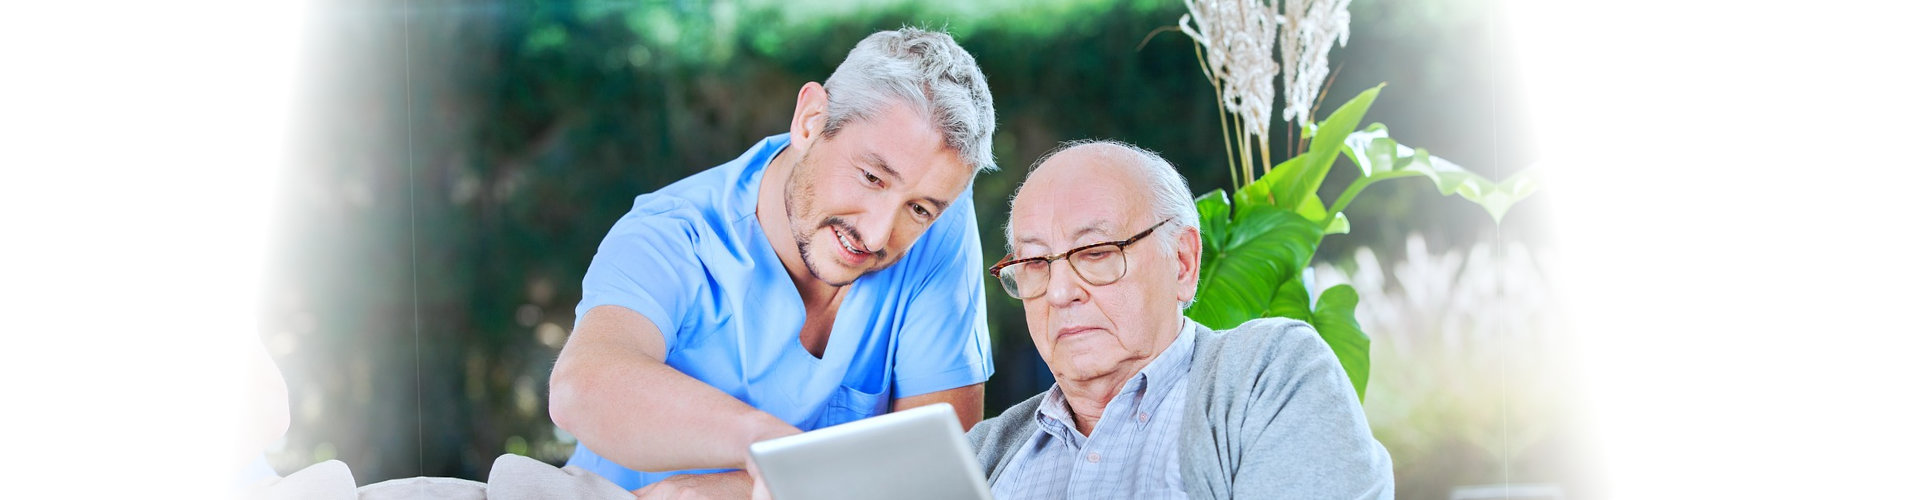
column 1099, row 226
column 877, row 162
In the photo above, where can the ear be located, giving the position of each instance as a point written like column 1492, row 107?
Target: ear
column 1186, row 250
column 809, row 116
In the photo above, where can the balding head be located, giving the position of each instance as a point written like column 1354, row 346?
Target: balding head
column 1167, row 195
column 1082, row 195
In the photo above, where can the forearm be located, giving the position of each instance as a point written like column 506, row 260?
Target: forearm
column 638, row 412
column 968, row 403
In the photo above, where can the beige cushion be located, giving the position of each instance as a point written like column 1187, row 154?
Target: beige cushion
column 423, row 488
column 329, row 480
column 515, row 477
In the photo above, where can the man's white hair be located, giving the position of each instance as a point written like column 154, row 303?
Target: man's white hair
column 1168, row 196
column 927, row 71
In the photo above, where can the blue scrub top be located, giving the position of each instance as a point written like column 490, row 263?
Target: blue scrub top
column 693, row 258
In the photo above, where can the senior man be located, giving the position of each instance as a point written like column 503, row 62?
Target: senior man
column 1105, row 253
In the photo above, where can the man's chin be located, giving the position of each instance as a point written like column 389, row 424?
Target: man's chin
column 836, row 281
column 831, row 271
column 1083, row 364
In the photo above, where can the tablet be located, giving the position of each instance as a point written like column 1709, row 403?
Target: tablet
column 916, row 453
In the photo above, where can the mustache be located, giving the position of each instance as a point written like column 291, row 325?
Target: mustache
column 854, row 234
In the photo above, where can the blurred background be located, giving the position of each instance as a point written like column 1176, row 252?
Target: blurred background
column 461, row 161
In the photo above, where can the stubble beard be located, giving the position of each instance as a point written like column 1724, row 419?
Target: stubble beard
column 798, row 198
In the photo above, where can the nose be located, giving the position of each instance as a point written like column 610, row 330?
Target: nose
column 1064, row 286
column 877, row 228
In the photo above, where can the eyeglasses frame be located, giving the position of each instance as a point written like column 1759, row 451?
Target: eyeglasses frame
column 1009, row 261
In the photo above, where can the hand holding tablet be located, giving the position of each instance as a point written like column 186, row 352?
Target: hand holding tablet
column 916, row 453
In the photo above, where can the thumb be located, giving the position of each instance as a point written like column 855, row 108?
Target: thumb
column 760, row 490
column 759, row 486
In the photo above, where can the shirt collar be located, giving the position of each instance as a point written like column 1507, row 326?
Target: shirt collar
column 747, row 194
column 1166, row 370
column 1053, row 416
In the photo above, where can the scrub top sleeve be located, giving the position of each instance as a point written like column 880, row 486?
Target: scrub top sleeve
column 943, row 341
column 646, row 264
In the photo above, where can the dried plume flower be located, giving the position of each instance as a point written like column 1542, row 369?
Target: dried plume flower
column 1237, row 39
column 1238, row 36
column 1311, row 28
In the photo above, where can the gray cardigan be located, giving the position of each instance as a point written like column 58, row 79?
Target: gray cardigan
column 1269, row 414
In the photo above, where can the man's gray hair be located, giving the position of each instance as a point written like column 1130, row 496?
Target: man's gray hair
column 1168, row 196
column 927, row 71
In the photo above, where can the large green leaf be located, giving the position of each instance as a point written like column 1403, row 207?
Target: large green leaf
column 1340, row 224
column 1252, row 256
column 1291, row 301
column 1216, row 219
column 1371, row 150
column 1312, row 208
column 1216, row 223
column 1261, row 191
column 1497, row 198
column 1315, row 210
column 1333, row 318
column 1380, row 157
column 1329, row 138
column 1248, row 252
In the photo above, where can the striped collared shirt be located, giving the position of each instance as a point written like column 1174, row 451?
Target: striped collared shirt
column 1134, row 449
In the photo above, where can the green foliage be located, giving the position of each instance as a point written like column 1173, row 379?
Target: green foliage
column 1333, row 318
column 1379, row 157
column 1304, row 178
column 1246, row 255
column 1255, row 247
column 473, row 155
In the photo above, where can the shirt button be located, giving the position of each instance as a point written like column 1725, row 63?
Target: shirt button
column 1093, row 457
column 1143, row 417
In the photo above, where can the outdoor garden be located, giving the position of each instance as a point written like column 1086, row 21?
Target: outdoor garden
column 1362, row 166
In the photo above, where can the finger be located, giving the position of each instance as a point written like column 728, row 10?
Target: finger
column 650, row 491
column 760, row 490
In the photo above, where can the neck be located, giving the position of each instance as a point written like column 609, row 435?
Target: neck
column 1087, row 398
column 771, row 210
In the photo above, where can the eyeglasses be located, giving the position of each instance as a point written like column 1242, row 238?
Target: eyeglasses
column 1098, row 264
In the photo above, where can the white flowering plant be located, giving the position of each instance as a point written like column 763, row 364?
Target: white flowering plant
column 1258, row 240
